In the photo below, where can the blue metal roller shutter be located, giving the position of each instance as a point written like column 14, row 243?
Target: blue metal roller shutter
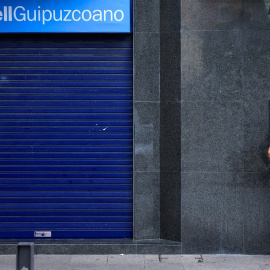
column 66, row 136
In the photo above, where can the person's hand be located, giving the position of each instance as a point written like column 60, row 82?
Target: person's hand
column 269, row 152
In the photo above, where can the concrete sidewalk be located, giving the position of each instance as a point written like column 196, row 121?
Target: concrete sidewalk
column 138, row 262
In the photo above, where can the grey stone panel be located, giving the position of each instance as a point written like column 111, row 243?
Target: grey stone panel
column 170, row 62
column 8, row 249
column 159, row 249
column 170, row 205
column 256, row 136
column 170, row 136
column 146, row 119
column 212, row 213
column 146, row 66
column 146, row 205
column 147, row 136
column 227, row 67
column 257, row 14
column 212, row 137
column 211, row 65
column 146, row 16
column 211, row 14
column 201, row 212
column 256, row 65
column 170, row 18
column 257, row 213
column 85, row 247
column 94, row 248
column 232, row 213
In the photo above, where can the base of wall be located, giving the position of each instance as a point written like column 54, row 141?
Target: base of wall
column 69, row 247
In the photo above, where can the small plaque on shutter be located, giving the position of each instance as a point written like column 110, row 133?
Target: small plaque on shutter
column 43, row 234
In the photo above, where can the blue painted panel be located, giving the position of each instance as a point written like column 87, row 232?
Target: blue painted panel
column 64, row 174
column 92, row 180
column 44, row 109
column 66, row 219
column 82, row 42
column 65, row 162
column 66, row 129
column 41, row 117
column 65, row 213
column 58, row 123
column 58, row 234
column 71, row 96
column 102, row 129
column 104, row 193
column 64, row 225
column 70, row 206
column 66, row 187
column 66, row 103
column 52, row 155
column 68, row 64
column 85, row 71
column 68, row 77
column 64, row 136
column 67, row 58
column 66, row 84
column 67, row 200
column 67, row 51
column 66, row 169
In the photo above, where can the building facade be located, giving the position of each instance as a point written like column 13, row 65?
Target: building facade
column 200, row 130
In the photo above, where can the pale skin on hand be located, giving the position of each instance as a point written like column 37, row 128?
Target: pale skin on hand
column 269, row 152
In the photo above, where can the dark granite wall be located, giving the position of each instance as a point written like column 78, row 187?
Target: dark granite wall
column 170, row 115
column 146, row 119
column 157, row 160
column 225, row 88
column 201, row 91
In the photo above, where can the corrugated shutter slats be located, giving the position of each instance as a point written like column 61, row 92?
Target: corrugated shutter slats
column 66, row 136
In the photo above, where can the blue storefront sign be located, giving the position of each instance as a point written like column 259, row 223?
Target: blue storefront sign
column 65, row 16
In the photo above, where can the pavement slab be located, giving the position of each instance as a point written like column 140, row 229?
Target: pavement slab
column 86, row 262
column 8, row 262
column 125, row 262
column 142, row 262
column 265, row 267
column 51, row 262
column 261, row 258
column 203, row 266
